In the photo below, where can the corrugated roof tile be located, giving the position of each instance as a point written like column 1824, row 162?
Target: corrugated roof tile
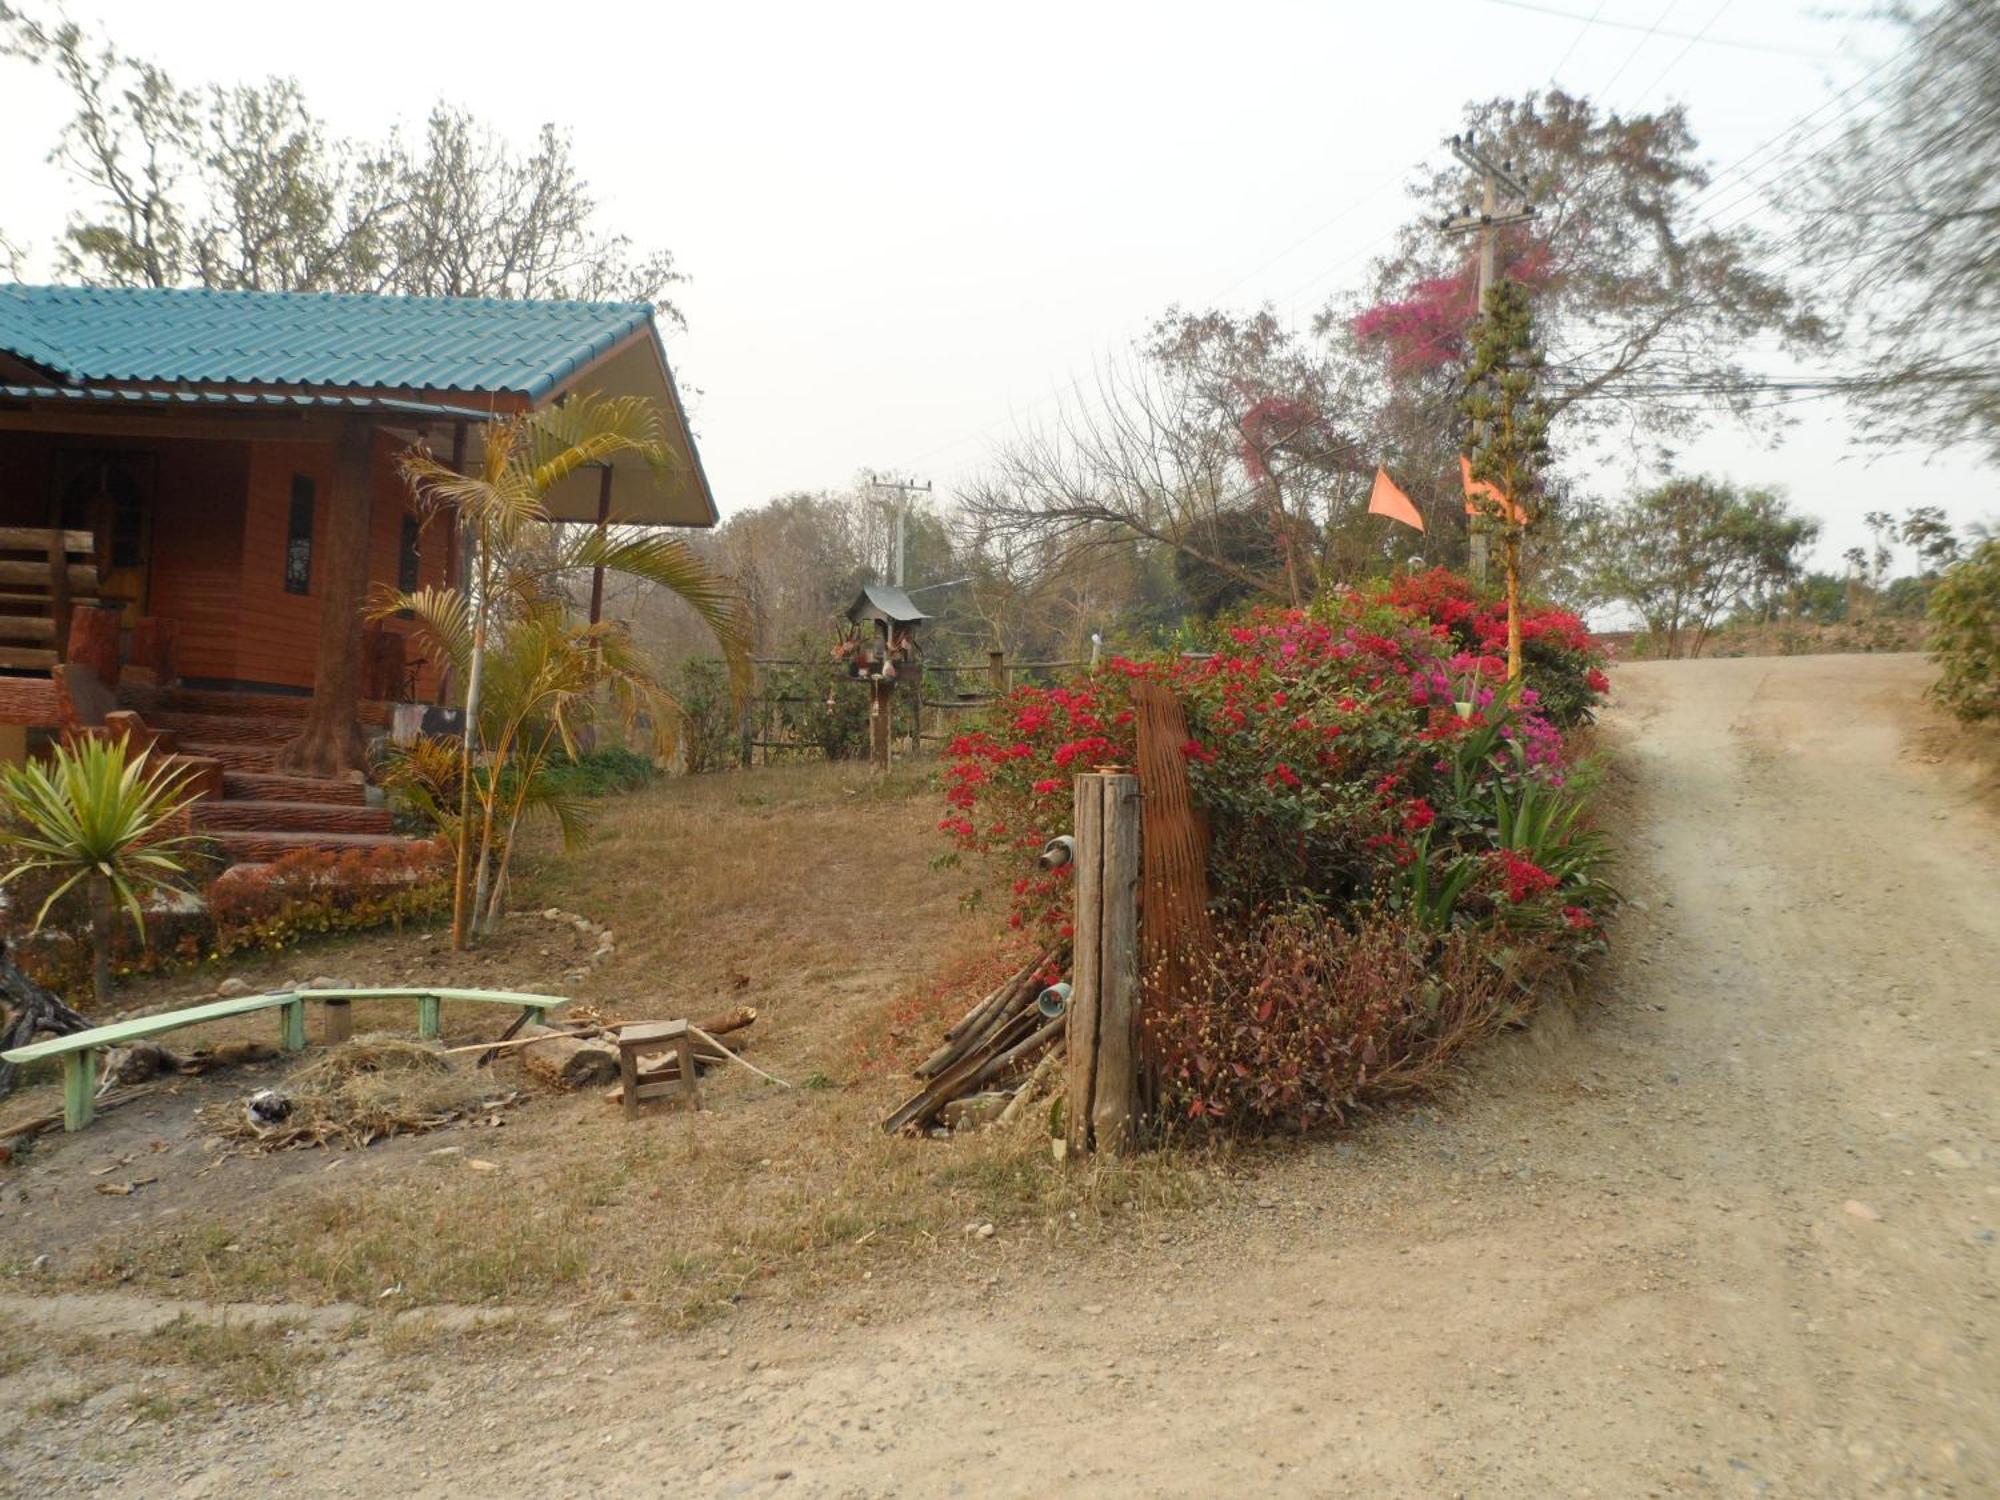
column 330, row 339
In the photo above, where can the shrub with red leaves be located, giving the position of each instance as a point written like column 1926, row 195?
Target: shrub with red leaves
column 1299, row 1020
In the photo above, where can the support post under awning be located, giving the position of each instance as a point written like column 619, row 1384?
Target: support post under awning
column 603, row 526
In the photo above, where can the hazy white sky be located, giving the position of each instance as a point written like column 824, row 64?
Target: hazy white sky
column 912, row 227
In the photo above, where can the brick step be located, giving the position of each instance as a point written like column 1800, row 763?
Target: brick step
column 245, row 846
column 272, row 817
column 239, row 704
column 255, row 786
column 220, row 729
column 262, row 759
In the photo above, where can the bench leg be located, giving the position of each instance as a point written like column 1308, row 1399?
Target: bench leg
column 628, row 1077
column 430, row 1017
column 292, row 1026
column 79, row 1088
column 336, row 1021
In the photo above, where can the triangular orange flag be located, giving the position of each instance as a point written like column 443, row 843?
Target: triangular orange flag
column 1477, row 488
column 1390, row 501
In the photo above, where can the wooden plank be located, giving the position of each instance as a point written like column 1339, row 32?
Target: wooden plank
column 27, row 658
column 38, row 539
column 27, row 628
column 1115, row 1087
column 81, row 577
column 1085, row 980
column 125, row 1031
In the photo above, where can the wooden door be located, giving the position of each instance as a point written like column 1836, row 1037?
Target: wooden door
column 110, row 492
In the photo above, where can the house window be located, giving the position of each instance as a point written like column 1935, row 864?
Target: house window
column 409, row 565
column 299, row 538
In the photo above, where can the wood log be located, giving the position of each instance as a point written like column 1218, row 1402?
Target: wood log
column 916, row 1112
column 972, row 1111
column 568, row 1062
column 1005, row 1003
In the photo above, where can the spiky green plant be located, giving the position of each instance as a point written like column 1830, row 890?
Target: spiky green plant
column 93, row 816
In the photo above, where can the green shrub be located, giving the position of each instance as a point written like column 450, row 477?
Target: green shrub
column 1965, row 634
column 599, row 773
column 708, row 716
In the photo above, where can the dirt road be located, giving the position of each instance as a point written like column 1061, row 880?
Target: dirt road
column 1732, row 1235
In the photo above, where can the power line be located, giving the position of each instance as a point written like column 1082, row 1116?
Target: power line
column 1594, row 19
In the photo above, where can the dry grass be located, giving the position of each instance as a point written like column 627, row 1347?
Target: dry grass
column 807, row 892
column 363, row 1091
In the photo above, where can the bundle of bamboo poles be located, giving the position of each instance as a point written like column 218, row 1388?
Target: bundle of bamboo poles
column 991, row 1055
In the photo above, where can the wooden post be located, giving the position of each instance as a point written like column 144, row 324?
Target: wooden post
column 1103, row 1083
column 996, row 673
column 915, row 677
column 59, row 606
column 881, row 703
column 603, row 524
column 337, row 1017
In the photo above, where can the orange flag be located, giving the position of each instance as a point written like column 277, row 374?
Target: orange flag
column 1475, row 489
column 1390, row 501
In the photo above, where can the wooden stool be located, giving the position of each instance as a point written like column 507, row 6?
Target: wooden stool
column 650, row 1036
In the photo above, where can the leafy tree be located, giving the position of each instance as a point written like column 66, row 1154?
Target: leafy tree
column 1643, row 305
column 93, row 817
column 548, row 670
column 1902, row 217
column 1687, row 552
column 1965, row 634
column 241, row 186
column 1510, row 427
column 1926, row 530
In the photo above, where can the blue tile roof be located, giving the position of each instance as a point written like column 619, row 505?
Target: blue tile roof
column 322, row 339
column 238, row 401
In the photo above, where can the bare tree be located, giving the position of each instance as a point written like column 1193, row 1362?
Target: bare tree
column 242, row 187
column 1904, row 217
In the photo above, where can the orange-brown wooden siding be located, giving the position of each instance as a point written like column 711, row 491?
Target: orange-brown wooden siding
column 217, row 548
column 196, row 568
column 278, row 638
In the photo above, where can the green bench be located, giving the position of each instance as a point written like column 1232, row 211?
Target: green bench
column 79, row 1050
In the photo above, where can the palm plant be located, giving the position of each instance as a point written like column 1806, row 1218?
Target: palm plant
column 93, row 816
column 521, row 566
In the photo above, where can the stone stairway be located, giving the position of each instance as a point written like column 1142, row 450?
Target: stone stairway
column 263, row 813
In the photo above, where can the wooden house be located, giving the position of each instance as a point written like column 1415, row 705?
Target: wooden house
column 198, row 490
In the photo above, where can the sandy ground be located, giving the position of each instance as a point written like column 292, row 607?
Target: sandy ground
column 1731, row 1235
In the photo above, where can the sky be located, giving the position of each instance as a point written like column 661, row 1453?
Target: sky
column 911, row 230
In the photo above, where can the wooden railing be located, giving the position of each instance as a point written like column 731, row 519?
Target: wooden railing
column 43, row 573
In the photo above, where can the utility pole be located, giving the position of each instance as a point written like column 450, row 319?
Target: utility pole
column 904, row 488
column 1489, row 220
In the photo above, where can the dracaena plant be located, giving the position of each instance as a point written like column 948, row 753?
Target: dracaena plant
column 94, row 817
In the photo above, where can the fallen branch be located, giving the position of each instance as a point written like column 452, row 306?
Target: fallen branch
column 702, row 1035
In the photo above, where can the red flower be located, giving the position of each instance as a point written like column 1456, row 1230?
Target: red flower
column 1418, row 815
column 1283, row 773
column 1524, row 878
column 1578, row 919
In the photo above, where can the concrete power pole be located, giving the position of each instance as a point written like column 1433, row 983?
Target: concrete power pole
column 1489, row 220
column 904, row 488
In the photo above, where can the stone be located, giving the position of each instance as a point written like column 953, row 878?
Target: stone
column 231, row 987
column 1861, row 1210
column 1949, row 1159
column 322, row 982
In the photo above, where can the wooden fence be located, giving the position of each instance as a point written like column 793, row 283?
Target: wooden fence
column 924, row 706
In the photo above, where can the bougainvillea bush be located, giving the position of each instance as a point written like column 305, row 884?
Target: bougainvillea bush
column 1360, row 763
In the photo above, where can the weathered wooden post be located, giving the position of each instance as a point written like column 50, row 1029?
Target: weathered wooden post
column 881, row 703
column 1103, row 1087
column 996, row 673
